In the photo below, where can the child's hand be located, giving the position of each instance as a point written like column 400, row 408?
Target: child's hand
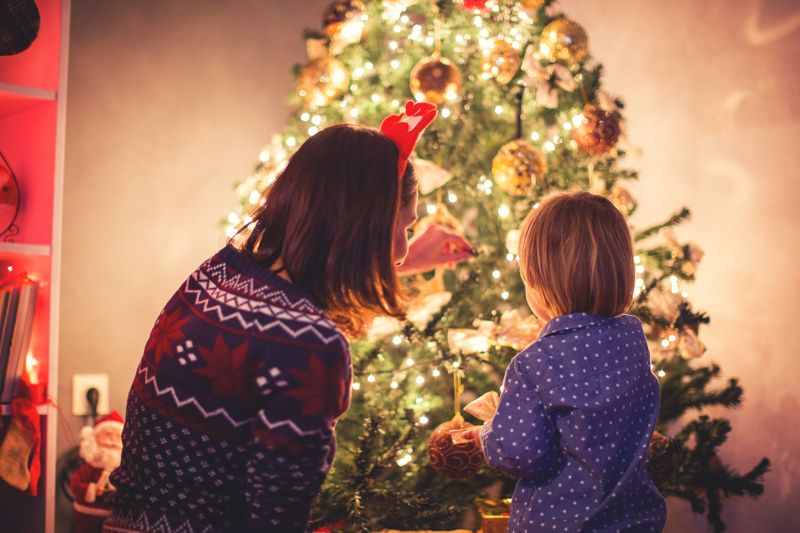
column 466, row 436
column 484, row 407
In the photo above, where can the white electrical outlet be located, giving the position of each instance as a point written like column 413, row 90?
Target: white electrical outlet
column 82, row 383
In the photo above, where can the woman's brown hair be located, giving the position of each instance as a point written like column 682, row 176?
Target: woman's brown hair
column 329, row 219
column 575, row 250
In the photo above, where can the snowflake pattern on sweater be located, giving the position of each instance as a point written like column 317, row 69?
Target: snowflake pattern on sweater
column 574, row 423
column 230, row 418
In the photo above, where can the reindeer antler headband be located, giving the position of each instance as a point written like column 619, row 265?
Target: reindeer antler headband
column 406, row 128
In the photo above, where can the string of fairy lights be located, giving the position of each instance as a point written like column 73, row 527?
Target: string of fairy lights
column 347, row 91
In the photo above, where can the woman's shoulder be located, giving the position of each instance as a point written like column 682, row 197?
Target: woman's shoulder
column 241, row 294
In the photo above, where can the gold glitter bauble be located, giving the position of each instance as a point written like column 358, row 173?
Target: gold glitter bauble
column 531, row 6
column 597, row 132
column 564, row 40
column 500, row 60
column 321, row 80
column 454, row 461
column 435, row 80
column 518, row 166
column 344, row 21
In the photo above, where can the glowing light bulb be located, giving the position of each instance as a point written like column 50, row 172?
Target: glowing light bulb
column 496, row 274
column 504, row 211
column 567, row 126
column 404, row 460
column 436, row 373
column 371, row 378
column 368, row 65
column 312, row 131
column 420, row 380
column 394, row 63
column 291, row 142
column 316, row 120
column 431, row 209
column 233, row 218
column 410, row 362
column 549, row 146
column 423, row 420
column 504, row 295
column 375, row 97
column 446, row 112
column 263, row 156
column 578, row 119
column 397, row 340
column 661, row 373
column 535, row 136
column 393, row 45
column 419, row 399
column 356, row 385
column 353, row 112
column 304, row 117
column 254, row 196
column 452, row 198
column 498, row 110
column 509, row 256
column 456, row 364
column 394, row 384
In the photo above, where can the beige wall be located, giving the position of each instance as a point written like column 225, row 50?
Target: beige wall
column 169, row 103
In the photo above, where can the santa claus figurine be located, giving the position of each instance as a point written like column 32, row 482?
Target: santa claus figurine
column 101, row 448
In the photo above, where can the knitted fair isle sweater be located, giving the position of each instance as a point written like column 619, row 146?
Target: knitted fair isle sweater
column 230, row 418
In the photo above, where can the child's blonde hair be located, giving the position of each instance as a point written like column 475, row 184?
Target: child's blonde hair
column 575, row 250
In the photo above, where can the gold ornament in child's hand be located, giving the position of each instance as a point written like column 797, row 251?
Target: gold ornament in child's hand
column 484, row 407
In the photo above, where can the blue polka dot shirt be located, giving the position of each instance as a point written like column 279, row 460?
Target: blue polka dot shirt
column 576, row 414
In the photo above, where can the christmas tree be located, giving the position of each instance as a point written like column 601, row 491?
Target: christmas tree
column 522, row 113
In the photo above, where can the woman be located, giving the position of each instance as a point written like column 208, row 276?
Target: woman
column 230, row 418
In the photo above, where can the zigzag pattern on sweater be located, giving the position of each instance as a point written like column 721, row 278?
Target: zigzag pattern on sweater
column 148, row 379
column 247, row 284
column 159, row 525
column 209, row 297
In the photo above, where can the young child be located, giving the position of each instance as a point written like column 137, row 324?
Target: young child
column 579, row 405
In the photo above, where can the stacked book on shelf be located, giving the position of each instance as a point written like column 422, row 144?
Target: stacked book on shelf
column 17, row 305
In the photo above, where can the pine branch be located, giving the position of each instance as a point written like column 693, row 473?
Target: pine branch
column 674, row 220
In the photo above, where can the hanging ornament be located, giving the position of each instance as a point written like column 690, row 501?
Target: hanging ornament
column 530, row 7
column 422, row 308
column 393, row 9
column 321, row 80
column 435, row 80
column 476, row 6
column 344, row 22
column 430, row 176
column 500, row 60
column 689, row 254
column 547, row 80
column 597, row 131
column 470, row 341
column 451, row 460
column 518, row 166
column 689, row 344
column 517, row 329
column 439, row 242
column 622, row 199
column 564, row 40
column 454, row 461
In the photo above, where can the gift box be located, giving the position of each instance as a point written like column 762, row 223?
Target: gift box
column 494, row 523
column 494, row 515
